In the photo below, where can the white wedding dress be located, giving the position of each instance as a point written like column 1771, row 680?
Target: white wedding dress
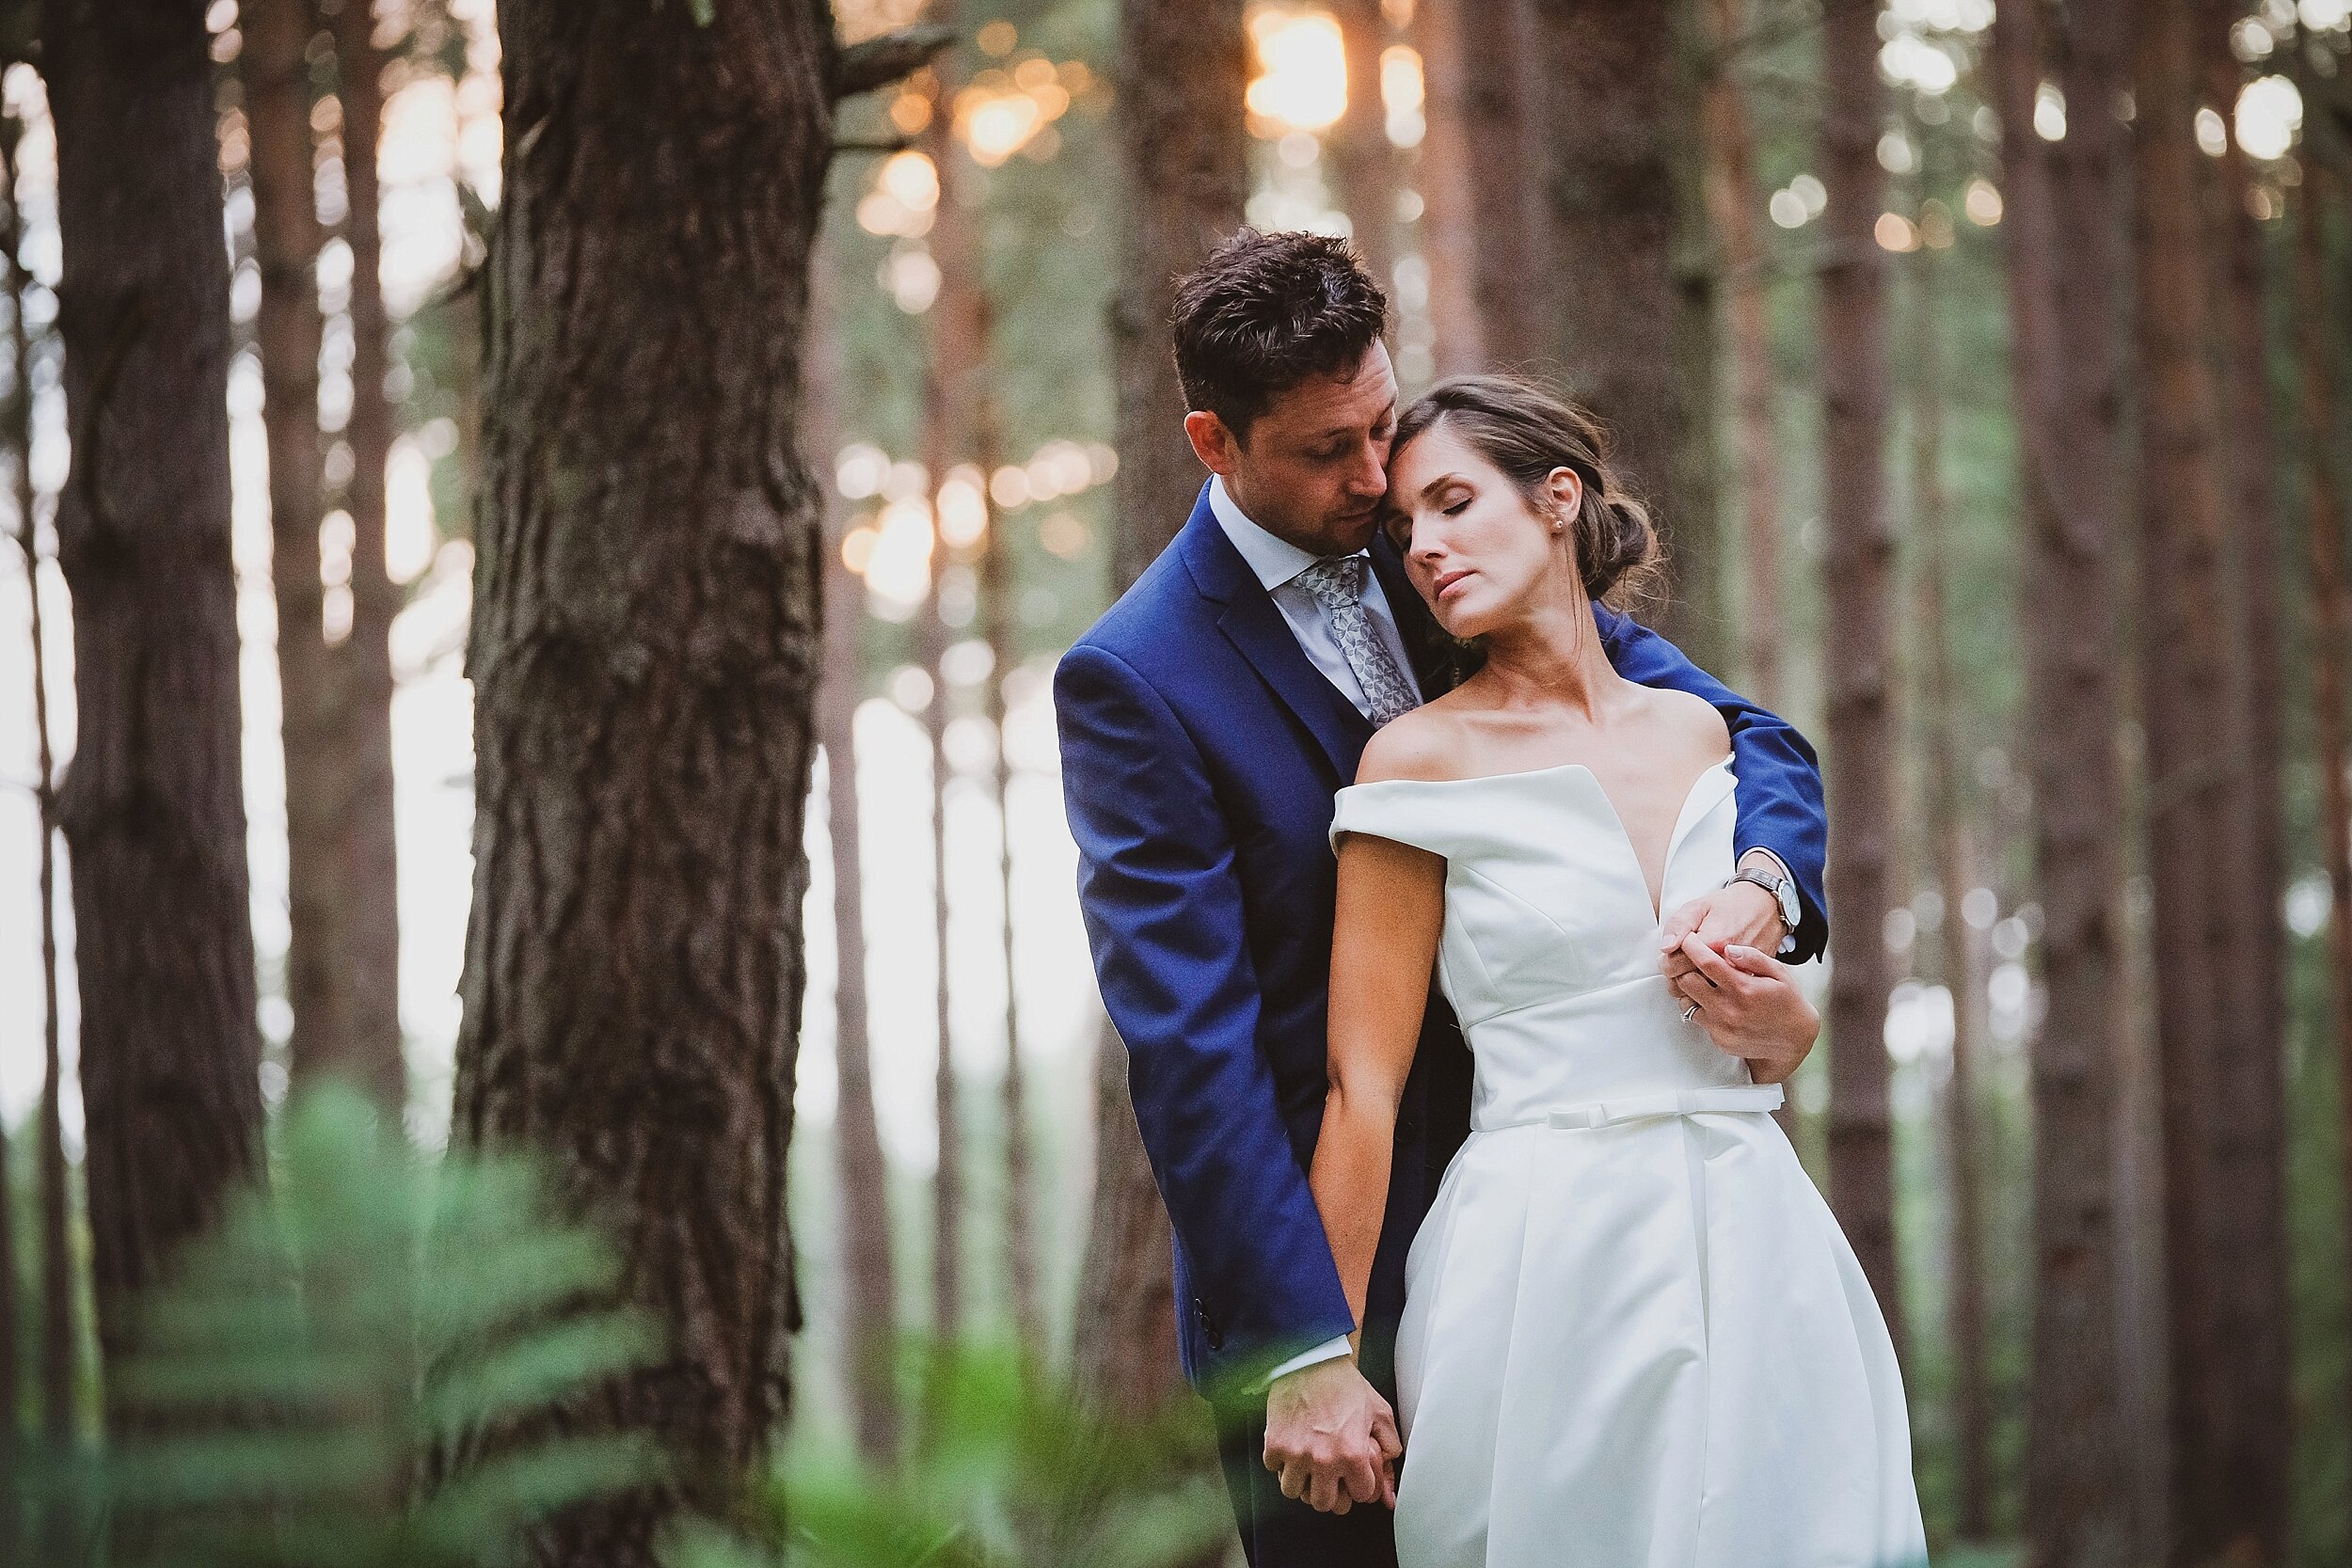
column 1633, row 1334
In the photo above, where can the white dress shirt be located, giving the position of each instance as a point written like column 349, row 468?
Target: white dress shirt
column 1277, row 564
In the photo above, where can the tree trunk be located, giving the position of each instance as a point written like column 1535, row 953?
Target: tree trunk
column 1488, row 292
column 366, row 858
column 2249, row 1115
column 870, row 1284
column 286, row 238
column 2096, row 1443
column 1953, row 842
column 1184, row 159
column 1617, row 234
column 1858, row 658
column 58, row 1337
column 1734, row 196
column 153, row 805
column 2076, row 1501
column 645, row 660
column 953, row 373
column 1363, row 164
column 2325, row 535
column 1000, row 602
column 2222, row 1501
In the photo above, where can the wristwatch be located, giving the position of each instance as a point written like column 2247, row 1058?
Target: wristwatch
column 1782, row 889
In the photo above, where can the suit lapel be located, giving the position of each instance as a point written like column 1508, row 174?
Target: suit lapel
column 1254, row 624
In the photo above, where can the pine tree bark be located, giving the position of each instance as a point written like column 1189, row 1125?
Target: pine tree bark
column 2250, row 1130
column 646, row 662
column 870, row 1284
column 952, row 375
column 1363, row 164
column 1733, row 197
column 2325, row 535
column 1618, row 233
column 1952, row 844
column 58, row 1335
column 1488, row 298
column 2224, row 1500
column 153, row 803
column 1183, row 160
column 2100, row 1493
column 2077, row 1498
column 366, row 856
column 999, row 604
column 1858, row 658
column 286, row 239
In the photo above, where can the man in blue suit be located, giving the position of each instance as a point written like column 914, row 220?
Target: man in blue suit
column 1206, row 723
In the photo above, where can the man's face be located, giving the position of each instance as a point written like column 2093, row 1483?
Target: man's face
column 1314, row 468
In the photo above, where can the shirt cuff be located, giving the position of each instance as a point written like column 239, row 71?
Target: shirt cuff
column 1789, row 942
column 1331, row 1349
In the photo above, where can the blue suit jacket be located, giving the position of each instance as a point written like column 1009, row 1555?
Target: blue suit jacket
column 1201, row 752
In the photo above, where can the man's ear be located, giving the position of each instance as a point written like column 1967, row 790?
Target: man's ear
column 1212, row 442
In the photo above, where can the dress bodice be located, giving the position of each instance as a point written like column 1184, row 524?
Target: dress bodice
column 1549, row 953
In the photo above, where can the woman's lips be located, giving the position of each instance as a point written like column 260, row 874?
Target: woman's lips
column 1448, row 582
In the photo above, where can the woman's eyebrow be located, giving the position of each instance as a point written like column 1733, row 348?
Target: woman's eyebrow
column 1441, row 483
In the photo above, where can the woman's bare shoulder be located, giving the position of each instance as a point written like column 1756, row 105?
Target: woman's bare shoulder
column 1424, row 744
column 1687, row 721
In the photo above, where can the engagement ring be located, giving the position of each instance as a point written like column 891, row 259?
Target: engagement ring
column 1689, row 1011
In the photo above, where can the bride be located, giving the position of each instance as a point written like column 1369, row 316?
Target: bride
column 1633, row 1334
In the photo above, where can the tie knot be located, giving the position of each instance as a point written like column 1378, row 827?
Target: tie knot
column 1336, row 580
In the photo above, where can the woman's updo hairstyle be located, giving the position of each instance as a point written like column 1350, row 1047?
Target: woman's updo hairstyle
column 1525, row 431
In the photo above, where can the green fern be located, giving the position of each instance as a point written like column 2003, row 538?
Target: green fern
column 332, row 1341
column 1011, row 1471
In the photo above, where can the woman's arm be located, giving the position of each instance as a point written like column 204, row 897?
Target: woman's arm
column 1390, row 909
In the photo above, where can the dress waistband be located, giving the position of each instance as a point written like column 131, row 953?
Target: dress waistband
column 1739, row 1097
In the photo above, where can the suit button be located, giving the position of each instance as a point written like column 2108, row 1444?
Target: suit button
column 1209, row 1331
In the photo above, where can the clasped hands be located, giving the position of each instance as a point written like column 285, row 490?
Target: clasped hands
column 1717, row 951
column 1331, row 1437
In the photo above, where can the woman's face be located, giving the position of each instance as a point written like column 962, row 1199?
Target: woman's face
column 1478, row 552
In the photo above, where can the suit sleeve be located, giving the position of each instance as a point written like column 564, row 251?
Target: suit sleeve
column 1782, row 805
column 1164, row 914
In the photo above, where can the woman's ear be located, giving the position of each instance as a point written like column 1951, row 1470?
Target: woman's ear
column 1565, row 490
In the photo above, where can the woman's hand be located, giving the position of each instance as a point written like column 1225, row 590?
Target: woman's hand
column 1749, row 1006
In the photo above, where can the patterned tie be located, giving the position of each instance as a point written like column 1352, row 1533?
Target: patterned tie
column 1338, row 586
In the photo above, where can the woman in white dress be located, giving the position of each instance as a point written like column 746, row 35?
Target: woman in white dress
column 1633, row 1334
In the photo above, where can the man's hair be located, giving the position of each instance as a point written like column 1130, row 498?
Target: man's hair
column 1265, row 312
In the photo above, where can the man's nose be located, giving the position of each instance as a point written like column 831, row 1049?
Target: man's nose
column 1371, row 478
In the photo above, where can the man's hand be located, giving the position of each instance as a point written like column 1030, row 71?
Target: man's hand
column 1749, row 1006
column 1742, row 913
column 1331, row 1437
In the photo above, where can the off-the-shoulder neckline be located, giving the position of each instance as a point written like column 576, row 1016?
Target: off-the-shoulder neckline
column 1521, row 773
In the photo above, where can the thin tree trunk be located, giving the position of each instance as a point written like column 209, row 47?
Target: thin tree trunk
column 2097, row 1443
column 2250, row 1115
column 153, row 805
column 1859, row 557
column 1622, row 110
column 953, row 372
column 645, row 664
column 1363, row 164
column 366, row 856
column 2221, row 1504
column 2325, row 535
column 286, row 239
column 1489, row 296
column 58, row 1337
column 1000, row 602
column 870, row 1294
column 1952, row 843
column 1184, row 158
column 1734, row 196
column 2076, row 1508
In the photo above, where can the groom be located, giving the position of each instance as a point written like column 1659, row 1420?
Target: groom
column 1206, row 721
